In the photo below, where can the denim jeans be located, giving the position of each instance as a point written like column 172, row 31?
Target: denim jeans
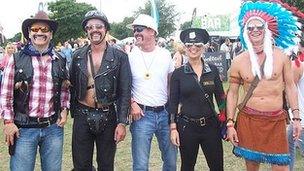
column 49, row 140
column 142, row 133
column 293, row 144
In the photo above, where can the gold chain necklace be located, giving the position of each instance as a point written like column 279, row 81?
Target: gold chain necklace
column 147, row 74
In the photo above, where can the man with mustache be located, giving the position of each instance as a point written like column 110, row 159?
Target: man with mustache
column 100, row 96
column 151, row 68
column 35, row 98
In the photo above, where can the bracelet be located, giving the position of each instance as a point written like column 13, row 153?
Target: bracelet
column 230, row 119
column 8, row 121
column 65, row 108
column 172, row 129
column 228, row 125
column 132, row 101
column 297, row 119
column 293, row 110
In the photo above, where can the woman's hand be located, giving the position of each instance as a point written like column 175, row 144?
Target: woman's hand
column 232, row 136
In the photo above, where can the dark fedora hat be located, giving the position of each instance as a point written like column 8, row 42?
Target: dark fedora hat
column 194, row 35
column 40, row 16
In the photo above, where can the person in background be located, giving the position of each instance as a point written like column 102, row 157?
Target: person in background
column 76, row 46
column 10, row 49
column 35, row 98
column 226, row 47
column 298, row 75
column 211, row 47
column 151, row 68
column 67, row 53
column 180, row 58
column 196, row 124
column 238, row 48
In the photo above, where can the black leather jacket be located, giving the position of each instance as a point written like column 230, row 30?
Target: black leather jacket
column 112, row 80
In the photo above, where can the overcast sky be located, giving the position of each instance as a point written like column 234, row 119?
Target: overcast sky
column 13, row 12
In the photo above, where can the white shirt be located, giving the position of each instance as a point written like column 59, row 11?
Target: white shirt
column 158, row 64
column 226, row 49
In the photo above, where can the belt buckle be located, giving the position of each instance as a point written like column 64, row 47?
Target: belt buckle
column 48, row 122
column 202, row 121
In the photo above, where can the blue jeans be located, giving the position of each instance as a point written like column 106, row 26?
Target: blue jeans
column 292, row 145
column 142, row 133
column 49, row 140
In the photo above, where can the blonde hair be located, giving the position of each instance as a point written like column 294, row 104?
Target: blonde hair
column 8, row 46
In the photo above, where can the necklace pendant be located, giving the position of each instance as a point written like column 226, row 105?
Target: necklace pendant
column 147, row 76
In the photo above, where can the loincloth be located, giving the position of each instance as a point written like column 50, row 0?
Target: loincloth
column 262, row 137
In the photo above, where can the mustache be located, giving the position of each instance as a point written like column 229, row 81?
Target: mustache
column 139, row 35
column 95, row 32
column 39, row 35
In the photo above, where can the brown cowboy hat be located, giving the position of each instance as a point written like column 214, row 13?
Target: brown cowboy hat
column 40, row 16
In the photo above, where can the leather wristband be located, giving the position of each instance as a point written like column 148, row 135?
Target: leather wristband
column 230, row 119
column 8, row 121
column 172, row 129
column 297, row 119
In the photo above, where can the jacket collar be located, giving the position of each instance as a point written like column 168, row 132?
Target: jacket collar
column 188, row 69
column 108, row 56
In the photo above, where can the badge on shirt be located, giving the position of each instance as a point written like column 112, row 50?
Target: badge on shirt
column 206, row 83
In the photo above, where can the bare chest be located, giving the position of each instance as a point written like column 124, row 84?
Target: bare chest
column 247, row 75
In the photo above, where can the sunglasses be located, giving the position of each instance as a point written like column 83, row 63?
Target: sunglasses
column 259, row 28
column 42, row 28
column 96, row 26
column 198, row 45
column 138, row 29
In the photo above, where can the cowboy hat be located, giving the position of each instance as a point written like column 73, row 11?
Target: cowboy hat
column 40, row 16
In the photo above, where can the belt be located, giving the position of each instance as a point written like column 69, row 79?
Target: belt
column 200, row 121
column 152, row 108
column 34, row 122
column 104, row 108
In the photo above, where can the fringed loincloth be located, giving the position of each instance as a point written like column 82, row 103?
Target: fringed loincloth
column 262, row 136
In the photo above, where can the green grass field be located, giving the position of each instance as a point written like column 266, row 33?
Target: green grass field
column 123, row 160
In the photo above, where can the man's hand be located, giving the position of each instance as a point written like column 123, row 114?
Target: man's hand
column 175, row 137
column 136, row 112
column 9, row 131
column 62, row 119
column 120, row 133
column 296, row 130
column 232, row 136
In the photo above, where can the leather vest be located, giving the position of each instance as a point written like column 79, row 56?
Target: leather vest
column 24, row 71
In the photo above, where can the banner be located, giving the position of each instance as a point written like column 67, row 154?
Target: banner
column 216, row 22
column 219, row 60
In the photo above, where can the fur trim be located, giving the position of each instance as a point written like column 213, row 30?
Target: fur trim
column 260, row 157
column 268, row 49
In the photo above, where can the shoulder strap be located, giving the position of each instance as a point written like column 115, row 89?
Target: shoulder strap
column 93, row 75
column 205, row 94
column 253, row 85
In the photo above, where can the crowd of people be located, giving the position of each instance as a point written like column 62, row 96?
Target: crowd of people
column 171, row 94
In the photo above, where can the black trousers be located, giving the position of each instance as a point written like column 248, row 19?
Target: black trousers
column 83, row 144
column 208, row 137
